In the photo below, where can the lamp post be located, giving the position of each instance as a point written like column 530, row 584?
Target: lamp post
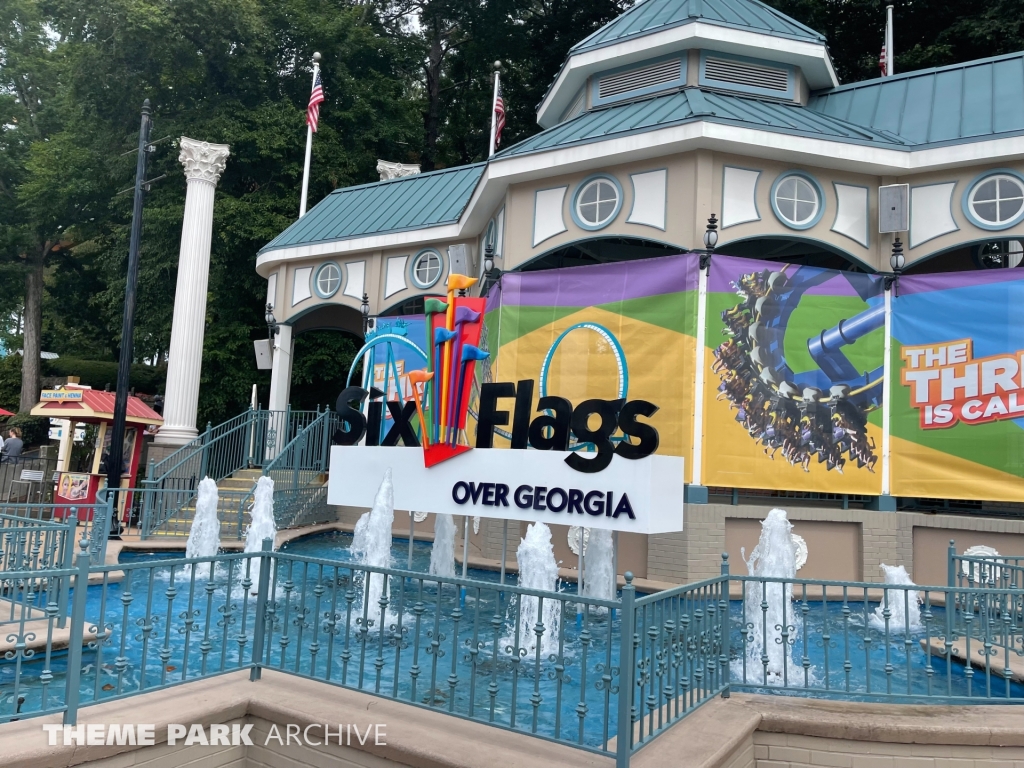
column 272, row 325
column 115, row 454
column 897, row 261
column 364, row 310
column 710, row 241
column 491, row 274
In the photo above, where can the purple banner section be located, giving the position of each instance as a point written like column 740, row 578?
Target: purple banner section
column 601, row 283
column 943, row 281
column 725, row 269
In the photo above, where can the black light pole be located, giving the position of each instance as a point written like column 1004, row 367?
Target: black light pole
column 116, row 452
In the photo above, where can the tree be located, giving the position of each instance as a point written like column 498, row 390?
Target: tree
column 927, row 33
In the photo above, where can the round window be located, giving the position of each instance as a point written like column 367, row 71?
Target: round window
column 996, row 201
column 328, row 280
column 797, row 201
column 426, row 269
column 597, row 203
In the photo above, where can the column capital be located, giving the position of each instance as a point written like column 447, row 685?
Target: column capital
column 203, row 160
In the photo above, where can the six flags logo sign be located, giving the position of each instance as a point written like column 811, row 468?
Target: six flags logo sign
column 443, row 393
column 948, row 385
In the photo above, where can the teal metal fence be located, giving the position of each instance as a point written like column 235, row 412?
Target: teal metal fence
column 91, row 522
column 247, row 441
column 299, row 472
column 1002, row 571
column 606, row 676
column 40, row 551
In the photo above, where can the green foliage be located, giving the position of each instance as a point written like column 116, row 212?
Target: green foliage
column 99, row 374
column 320, row 367
column 75, row 73
column 928, row 33
column 35, row 430
column 10, row 382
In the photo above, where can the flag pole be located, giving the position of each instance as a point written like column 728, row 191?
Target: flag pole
column 309, row 144
column 494, row 100
column 890, row 56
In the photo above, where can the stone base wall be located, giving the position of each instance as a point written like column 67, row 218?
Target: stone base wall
column 787, row 750
column 846, row 545
column 860, row 541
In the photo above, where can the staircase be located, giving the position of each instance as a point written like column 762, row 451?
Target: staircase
column 235, row 500
column 292, row 447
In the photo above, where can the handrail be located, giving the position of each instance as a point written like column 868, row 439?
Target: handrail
column 246, row 441
column 163, row 468
column 308, row 452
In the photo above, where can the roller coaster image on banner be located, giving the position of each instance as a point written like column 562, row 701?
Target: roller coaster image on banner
column 957, row 392
column 622, row 330
column 793, row 378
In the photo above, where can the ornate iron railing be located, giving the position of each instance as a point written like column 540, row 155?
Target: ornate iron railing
column 606, row 676
column 92, row 522
column 299, row 472
column 247, row 441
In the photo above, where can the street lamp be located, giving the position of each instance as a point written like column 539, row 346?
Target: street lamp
column 491, row 274
column 710, row 241
column 897, row 262
column 364, row 310
column 272, row 325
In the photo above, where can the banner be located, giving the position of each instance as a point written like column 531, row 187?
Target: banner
column 957, row 392
column 403, row 342
column 620, row 331
column 793, row 378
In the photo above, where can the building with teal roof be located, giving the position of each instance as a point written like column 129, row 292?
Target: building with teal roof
column 673, row 112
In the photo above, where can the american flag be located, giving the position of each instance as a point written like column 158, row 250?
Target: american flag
column 315, row 99
column 499, row 115
column 881, row 62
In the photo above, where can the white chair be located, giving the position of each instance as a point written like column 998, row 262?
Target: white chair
column 29, row 477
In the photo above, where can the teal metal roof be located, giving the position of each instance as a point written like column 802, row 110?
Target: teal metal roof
column 411, row 202
column 963, row 102
column 652, row 16
column 695, row 104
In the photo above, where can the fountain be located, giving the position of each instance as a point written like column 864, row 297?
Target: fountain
column 442, row 554
column 774, row 557
column 261, row 526
column 204, row 537
column 538, row 570
column 904, row 604
column 599, row 565
column 371, row 544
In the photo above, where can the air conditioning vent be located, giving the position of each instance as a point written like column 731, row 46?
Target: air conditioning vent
column 644, row 77
column 747, row 74
column 576, row 107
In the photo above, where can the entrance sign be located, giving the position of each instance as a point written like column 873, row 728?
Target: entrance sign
column 636, row 496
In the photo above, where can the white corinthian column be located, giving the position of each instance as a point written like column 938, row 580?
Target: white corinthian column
column 204, row 163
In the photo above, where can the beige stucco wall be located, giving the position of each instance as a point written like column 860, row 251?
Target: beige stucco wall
column 694, row 192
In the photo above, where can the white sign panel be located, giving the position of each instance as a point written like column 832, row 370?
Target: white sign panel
column 641, row 496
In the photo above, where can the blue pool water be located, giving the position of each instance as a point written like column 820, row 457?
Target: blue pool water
column 439, row 647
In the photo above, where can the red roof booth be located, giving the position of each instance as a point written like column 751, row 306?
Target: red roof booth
column 91, row 406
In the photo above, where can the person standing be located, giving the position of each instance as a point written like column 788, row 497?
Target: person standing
column 12, row 445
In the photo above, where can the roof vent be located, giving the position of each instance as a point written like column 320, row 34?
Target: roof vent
column 644, row 77
column 747, row 75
